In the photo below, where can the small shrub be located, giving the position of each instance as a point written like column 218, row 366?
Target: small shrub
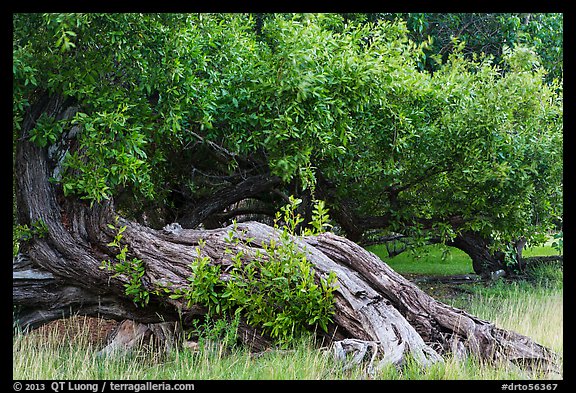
column 276, row 290
column 133, row 269
column 223, row 331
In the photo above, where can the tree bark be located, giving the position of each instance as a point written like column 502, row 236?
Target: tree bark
column 485, row 262
column 478, row 248
column 60, row 273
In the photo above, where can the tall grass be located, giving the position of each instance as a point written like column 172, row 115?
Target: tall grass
column 532, row 307
column 532, row 311
column 35, row 358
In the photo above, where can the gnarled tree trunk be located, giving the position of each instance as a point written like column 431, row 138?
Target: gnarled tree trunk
column 484, row 261
column 60, row 273
column 478, row 248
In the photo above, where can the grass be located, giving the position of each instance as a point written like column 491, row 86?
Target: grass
column 429, row 260
column 438, row 259
column 533, row 307
column 36, row 358
column 41, row 360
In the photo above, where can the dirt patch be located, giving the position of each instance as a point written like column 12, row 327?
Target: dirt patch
column 79, row 329
column 443, row 288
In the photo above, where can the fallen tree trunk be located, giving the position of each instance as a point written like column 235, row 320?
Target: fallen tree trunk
column 373, row 303
column 60, row 272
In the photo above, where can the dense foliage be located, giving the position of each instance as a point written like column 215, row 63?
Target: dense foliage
column 488, row 33
column 172, row 109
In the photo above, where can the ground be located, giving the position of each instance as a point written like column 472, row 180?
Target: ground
column 93, row 329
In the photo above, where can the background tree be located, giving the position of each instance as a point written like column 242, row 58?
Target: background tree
column 487, row 33
column 454, row 156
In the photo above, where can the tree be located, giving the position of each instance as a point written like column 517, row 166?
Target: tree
column 259, row 110
column 461, row 155
column 126, row 124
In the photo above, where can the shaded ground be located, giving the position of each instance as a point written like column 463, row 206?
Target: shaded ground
column 443, row 288
column 90, row 330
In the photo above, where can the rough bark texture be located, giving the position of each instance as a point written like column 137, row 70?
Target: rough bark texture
column 60, row 273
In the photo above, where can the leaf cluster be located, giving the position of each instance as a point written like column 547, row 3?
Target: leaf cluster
column 131, row 270
column 297, row 95
column 22, row 233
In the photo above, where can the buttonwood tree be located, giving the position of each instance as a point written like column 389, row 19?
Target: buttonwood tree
column 139, row 137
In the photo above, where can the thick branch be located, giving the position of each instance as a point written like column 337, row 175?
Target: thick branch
column 451, row 328
column 216, row 203
column 42, row 297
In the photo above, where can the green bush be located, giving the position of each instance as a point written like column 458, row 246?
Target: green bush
column 276, row 290
column 133, row 269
